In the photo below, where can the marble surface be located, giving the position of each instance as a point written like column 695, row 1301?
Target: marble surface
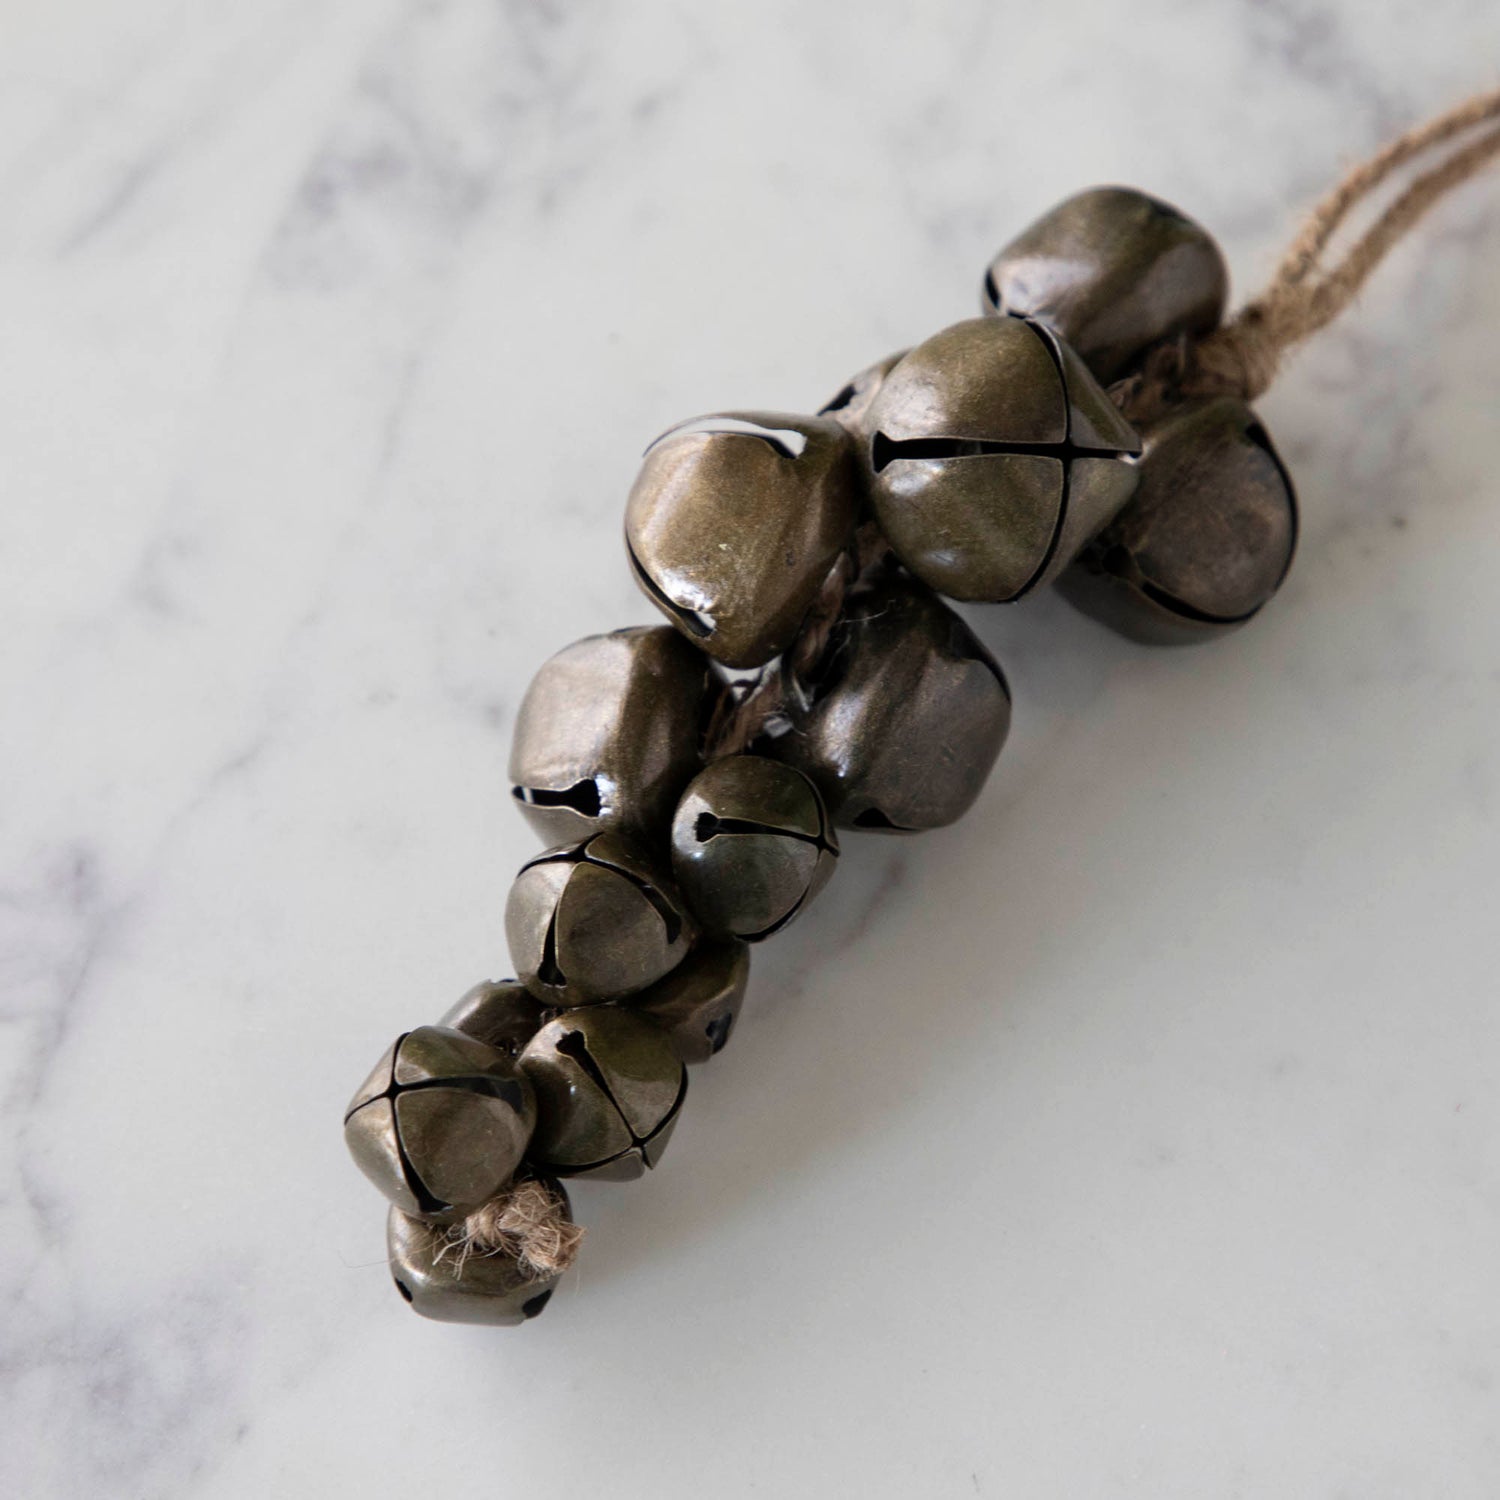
column 1137, row 1138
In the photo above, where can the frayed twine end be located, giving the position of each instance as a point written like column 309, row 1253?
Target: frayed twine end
column 528, row 1221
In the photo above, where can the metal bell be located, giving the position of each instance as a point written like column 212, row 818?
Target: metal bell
column 698, row 1002
column 609, row 1087
column 751, row 846
column 994, row 458
column 608, row 734
column 441, row 1123
column 735, row 521
column 593, row 921
column 1207, row 539
column 487, row 1288
column 1113, row 271
column 903, row 717
column 852, row 404
column 500, row 1012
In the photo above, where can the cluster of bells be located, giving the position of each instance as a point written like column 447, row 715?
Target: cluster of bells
column 992, row 461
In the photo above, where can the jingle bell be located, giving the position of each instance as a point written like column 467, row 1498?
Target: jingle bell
column 1112, row 271
column 608, row 735
column 852, row 404
column 490, row 1287
column 500, row 1012
column 734, row 523
column 609, row 1088
column 698, row 1002
column 751, row 846
column 1207, row 539
column 441, row 1123
column 591, row 922
column 900, row 722
column 994, row 458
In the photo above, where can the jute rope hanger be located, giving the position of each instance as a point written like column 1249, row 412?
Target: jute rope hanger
column 1240, row 359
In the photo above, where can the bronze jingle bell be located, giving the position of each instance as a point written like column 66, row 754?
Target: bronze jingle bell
column 441, row 1123
column 500, row 1012
column 592, row 922
column 609, row 733
column 1112, row 271
column 609, row 1089
column 751, row 846
column 484, row 1286
column 851, row 406
column 1207, row 539
column 734, row 523
column 901, row 721
column 698, row 1003
column 994, row 457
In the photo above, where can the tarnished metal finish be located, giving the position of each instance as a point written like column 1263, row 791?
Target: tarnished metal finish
column 901, row 721
column 1207, row 539
column 500, row 1012
column 441, row 1123
column 593, row 921
column 851, row 406
column 1113, row 271
column 751, row 846
column 609, row 734
column 698, row 1002
column 478, row 1288
column 994, row 457
column 733, row 525
column 609, row 1086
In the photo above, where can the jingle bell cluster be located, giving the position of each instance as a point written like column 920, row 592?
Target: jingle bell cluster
column 691, row 777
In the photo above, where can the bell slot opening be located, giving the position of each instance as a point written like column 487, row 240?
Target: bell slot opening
column 778, row 924
column 1188, row 611
column 717, row 1031
column 696, row 622
column 787, row 441
column 839, row 402
column 582, row 797
column 549, row 971
column 671, row 919
column 428, row 1202
column 572, row 1044
column 885, row 450
column 708, row 826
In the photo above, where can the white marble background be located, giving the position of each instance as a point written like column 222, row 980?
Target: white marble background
column 1138, row 1138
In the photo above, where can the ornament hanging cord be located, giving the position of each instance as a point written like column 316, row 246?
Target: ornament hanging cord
column 1243, row 357
column 1240, row 359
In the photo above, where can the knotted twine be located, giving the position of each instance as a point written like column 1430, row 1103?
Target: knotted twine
column 528, row 1222
column 1241, row 358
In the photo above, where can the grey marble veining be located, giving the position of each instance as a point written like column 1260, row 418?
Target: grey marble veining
column 1137, row 1137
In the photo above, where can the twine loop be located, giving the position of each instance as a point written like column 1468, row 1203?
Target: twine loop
column 1243, row 357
